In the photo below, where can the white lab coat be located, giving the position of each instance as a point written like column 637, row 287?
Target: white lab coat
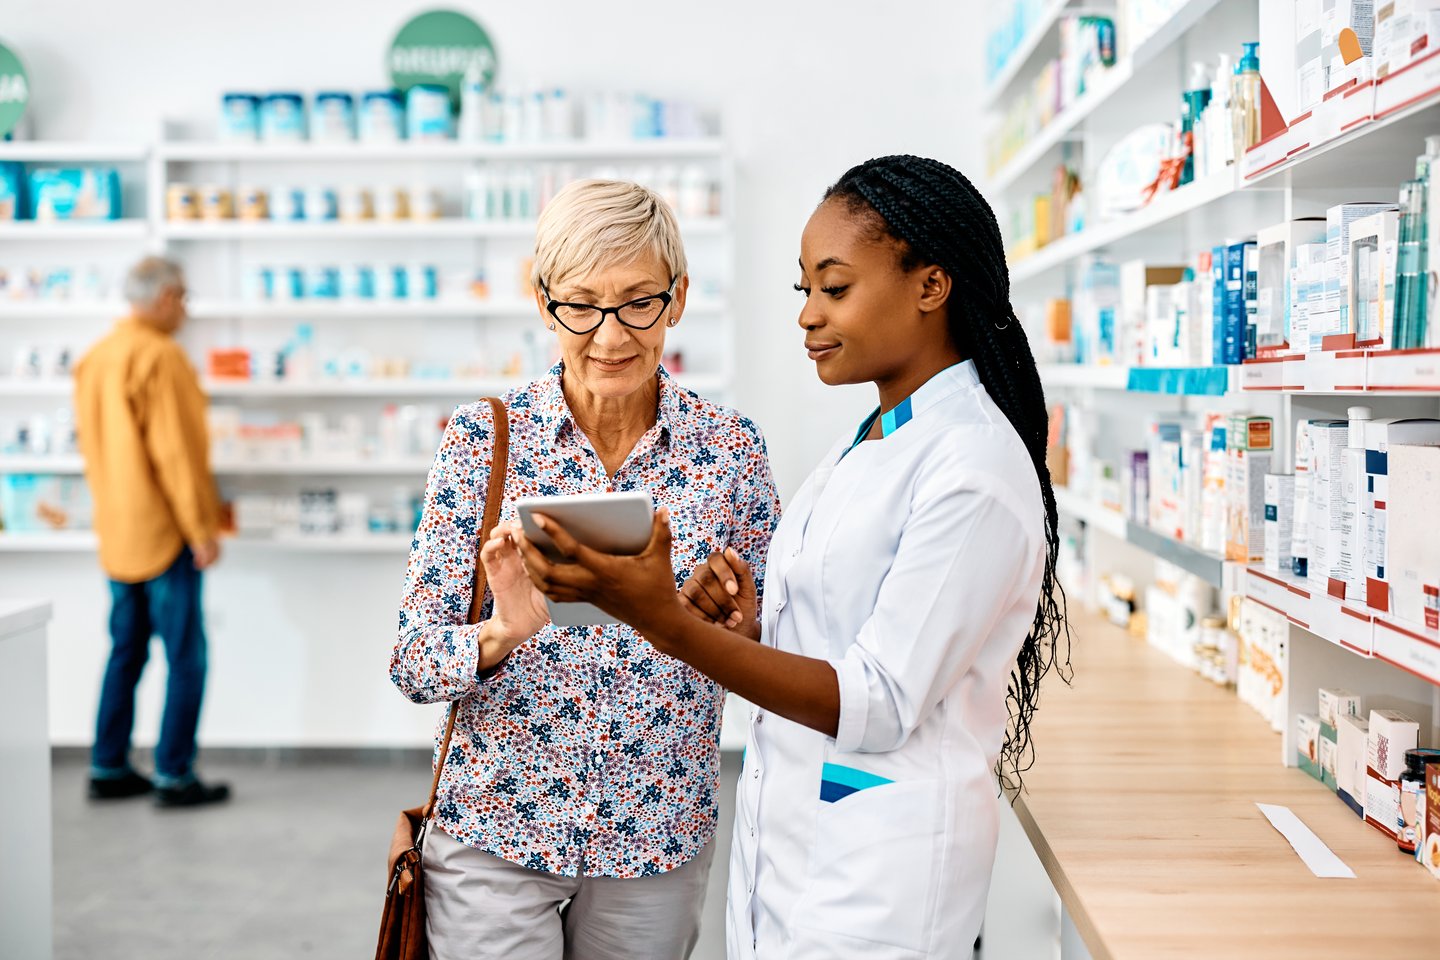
column 913, row 564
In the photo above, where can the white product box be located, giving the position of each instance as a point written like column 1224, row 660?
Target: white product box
column 1276, row 247
column 1309, row 57
column 1136, row 279
column 1391, row 734
column 1307, row 744
column 1379, row 436
column 1412, row 541
column 1354, row 523
column 1214, row 503
column 1374, row 241
column 1279, row 521
column 1250, row 440
column 1339, row 220
column 1405, row 30
column 1307, row 295
column 1352, row 737
column 1300, row 528
column 1327, row 439
column 1337, row 15
column 1334, row 704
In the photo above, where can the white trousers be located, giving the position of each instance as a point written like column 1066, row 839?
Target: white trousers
column 479, row 906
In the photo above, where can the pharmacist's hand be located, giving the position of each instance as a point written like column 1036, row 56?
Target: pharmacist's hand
column 638, row 590
column 205, row 554
column 520, row 610
column 722, row 590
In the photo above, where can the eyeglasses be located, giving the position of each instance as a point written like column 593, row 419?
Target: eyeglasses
column 641, row 313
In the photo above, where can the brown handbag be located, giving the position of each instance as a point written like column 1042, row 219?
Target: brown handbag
column 402, row 923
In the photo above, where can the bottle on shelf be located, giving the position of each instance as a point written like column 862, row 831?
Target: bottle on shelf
column 1245, row 99
column 472, row 106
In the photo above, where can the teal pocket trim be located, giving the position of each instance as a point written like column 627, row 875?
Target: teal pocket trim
column 838, row 782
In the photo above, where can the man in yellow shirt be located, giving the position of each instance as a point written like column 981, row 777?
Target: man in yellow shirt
column 140, row 413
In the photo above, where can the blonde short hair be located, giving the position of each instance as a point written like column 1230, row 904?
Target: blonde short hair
column 598, row 223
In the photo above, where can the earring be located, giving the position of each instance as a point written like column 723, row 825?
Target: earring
column 550, row 326
column 674, row 322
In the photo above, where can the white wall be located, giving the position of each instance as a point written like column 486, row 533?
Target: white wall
column 806, row 89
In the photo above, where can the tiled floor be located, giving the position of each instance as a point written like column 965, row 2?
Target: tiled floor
column 292, row 867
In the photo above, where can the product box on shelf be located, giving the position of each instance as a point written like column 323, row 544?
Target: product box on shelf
column 1429, row 853
column 1349, row 575
column 1412, row 537
column 1336, row 703
column 78, row 193
column 1307, row 744
column 1309, row 56
column 1279, row 521
column 1329, row 753
column 1339, row 220
column 1136, row 280
column 1404, row 30
column 12, row 190
column 1357, row 16
column 40, row 503
column 1275, row 247
column 1235, row 310
column 1391, row 734
column 1214, row 503
column 1374, row 241
column 1250, row 446
column 1379, row 435
column 1307, row 294
column 1352, row 739
column 1327, row 439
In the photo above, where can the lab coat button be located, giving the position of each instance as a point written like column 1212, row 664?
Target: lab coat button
column 756, row 774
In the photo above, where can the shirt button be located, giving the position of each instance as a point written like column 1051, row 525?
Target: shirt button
column 756, row 774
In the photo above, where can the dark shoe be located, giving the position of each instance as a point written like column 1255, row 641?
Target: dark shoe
column 192, row 794
column 119, row 788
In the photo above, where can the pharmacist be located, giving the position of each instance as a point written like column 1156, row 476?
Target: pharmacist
column 902, row 584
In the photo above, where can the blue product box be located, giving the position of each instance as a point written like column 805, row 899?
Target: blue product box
column 1217, row 279
column 74, row 193
column 333, row 117
column 1251, row 267
column 382, row 117
column 239, row 117
column 12, row 190
column 1232, row 332
column 282, row 118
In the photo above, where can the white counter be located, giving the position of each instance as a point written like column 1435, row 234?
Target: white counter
column 26, row 881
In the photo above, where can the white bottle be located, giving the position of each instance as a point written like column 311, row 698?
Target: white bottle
column 477, row 194
column 694, row 193
column 512, row 123
column 472, row 105
column 1219, row 126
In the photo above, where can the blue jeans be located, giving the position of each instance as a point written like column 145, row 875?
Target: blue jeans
column 168, row 605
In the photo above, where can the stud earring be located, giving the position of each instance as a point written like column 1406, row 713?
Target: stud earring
column 674, row 322
column 550, row 326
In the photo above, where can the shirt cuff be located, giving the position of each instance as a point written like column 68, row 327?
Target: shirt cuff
column 854, row 704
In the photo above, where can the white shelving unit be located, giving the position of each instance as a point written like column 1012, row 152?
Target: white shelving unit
column 440, row 229
column 453, row 151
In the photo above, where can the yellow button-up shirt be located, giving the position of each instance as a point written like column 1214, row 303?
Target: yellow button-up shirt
column 140, row 413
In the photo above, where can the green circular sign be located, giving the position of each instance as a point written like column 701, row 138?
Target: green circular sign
column 438, row 47
column 14, row 90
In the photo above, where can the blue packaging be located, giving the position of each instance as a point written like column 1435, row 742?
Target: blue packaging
column 1217, row 305
column 322, row 203
column 1234, row 320
column 1250, row 269
column 293, row 280
column 427, row 112
column 74, row 193
column 324, row 283
column 359, row 283
column 239, row 117
column 399, row 286
column 382, row 117
column 423, row 282
column 333, row 118
column 282, row 118
column 12, row 190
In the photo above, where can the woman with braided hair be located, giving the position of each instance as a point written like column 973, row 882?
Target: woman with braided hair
column 911, row 607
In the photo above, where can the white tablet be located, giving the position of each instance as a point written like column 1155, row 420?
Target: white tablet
column 617, row 523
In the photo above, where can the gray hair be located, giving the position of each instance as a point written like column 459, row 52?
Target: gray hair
column 599, row 223
column 151, row 277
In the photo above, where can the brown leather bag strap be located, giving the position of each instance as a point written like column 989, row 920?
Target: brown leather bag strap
column 494, row 496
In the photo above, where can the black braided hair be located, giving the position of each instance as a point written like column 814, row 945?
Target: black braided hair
column 936, row 216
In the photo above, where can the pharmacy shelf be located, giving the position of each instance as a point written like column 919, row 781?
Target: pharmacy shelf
column 1163, row 209
column 1081, row 508
column 213, row 152
column 1207, row 566
column 65, row 151
column 442, row 229
column 1175, row 381
column 319, row 309
column 73, row 466
column 59, row 541
column 17, row 310
column 1042, row 30
column 126, row 229
column 1351, row 625
column 1066, row 124
column 1368, row 373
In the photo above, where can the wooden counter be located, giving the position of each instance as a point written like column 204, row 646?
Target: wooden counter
column 1141, row 807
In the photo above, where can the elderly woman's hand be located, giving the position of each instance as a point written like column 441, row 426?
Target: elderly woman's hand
column 520, row 610
column 638, row 590
column 722, row 591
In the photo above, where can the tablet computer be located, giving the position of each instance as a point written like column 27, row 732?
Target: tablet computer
column 617, row 523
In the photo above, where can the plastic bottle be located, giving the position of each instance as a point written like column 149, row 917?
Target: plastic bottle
column 1245, row 101
column 1219, row 125
column 472, row 105
column 1194, row 100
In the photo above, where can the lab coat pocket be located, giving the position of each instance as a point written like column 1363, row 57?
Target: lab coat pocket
column 873, row 869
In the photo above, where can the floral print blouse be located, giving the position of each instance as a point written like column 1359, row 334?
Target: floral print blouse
column 587, row 752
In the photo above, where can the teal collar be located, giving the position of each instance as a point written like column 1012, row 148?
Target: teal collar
column 931, row 392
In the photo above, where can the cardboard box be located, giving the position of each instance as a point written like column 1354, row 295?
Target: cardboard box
column 1339, row 221
column 1307, row 293
column 1279, row 521
column 1429, row 852
column 1307, row 744
column 1404, row 31
column 1329, row 749
column 1337, row 703
column 1379, row 435
column 1328, row 439
column 1374, row 241
column 1412, row 561
column 1136, row 277
column 1250, row 441
column 1275, row 256
column 1352, row 738
column 1391, row 734
column 1236, row 309
column 1338, row 15
column 1349, row 570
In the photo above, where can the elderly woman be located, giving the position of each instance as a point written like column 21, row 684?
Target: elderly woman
column 584, row 765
